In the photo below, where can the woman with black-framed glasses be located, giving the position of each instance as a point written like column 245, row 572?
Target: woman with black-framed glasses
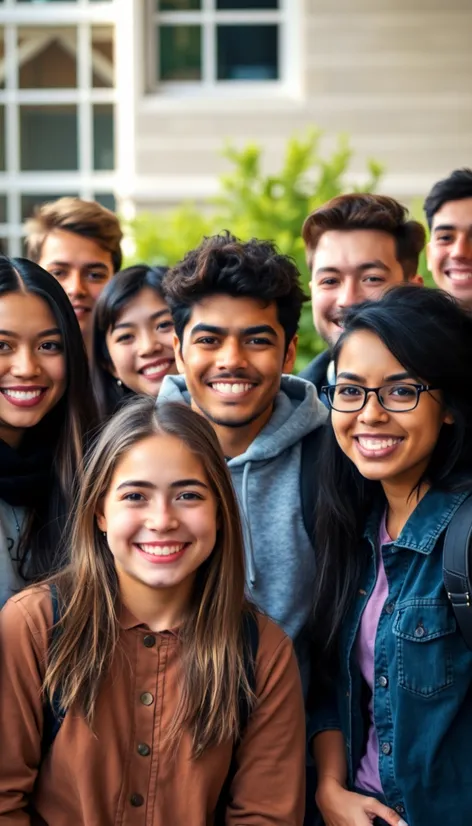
column 390, row 734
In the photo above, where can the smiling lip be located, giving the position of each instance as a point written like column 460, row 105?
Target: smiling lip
column 156, row 370
column 161, row 553
column 377, row 447
column 80, row 309
column 459, row 275
column 232, row 389
column 23, row 396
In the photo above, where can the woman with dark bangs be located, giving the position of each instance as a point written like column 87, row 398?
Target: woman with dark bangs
column 132, row 337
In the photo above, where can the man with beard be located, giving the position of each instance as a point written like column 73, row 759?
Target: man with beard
column 357, row 246
column 448, row 210
column 236, row 308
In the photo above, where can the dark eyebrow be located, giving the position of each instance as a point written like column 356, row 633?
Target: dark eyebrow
column 442, row 227
column 377, row 264
column 358, row 379
column 180, row 483
column 185, row 483
column 224, row 331
column 54, row 331
column 152, row 317
column 324, row 270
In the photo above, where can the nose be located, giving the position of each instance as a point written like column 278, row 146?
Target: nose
column 230, row 355
column 161, row 518
column 462, row 247
column 373, row 412
column 349, row 293
column 148, row 343
column 74, row 285
column 25, row 363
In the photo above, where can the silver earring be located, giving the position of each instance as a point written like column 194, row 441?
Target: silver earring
column 119, row 382
column 104, row 534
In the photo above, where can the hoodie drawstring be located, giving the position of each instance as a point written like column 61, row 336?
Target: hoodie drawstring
column 249, row 548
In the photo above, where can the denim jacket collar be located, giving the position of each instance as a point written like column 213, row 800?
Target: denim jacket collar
column 429, row 519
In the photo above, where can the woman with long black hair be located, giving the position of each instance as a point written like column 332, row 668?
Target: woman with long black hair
column 391, row 745
column 46, row 409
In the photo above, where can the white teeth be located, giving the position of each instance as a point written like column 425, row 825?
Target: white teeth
column 156, row 368
column 223, row 387
column 460, row 276
column 162, row 550
column 377, row 444
column 24, row 395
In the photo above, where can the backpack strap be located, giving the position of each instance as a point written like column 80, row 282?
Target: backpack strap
column 457, row 567
column 309, row 479
column 251, row 645
column 53, row 714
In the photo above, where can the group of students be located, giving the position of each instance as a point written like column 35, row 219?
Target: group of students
column 223, row 583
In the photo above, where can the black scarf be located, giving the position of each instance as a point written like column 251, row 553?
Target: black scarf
column 25, row 475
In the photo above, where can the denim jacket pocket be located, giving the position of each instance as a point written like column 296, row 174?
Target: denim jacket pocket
column 424, row 656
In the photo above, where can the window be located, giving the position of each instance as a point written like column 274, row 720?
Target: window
column 57, row 106
column 209, row 42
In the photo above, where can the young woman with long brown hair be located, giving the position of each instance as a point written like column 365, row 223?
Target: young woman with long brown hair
column 147, row 670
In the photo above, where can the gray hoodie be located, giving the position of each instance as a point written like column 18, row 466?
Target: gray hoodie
column 280, row 561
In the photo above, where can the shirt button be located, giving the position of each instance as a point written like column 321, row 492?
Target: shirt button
column 144, row 750
column 146, row 698
column 386, row 748
column 149, row 640
column 383, row 681
column 136, row 800
column 389, row 608
column 419, row 632
column 400, row 809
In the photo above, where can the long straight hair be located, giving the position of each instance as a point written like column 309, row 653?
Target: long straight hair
column 211, row 636
column 431, row 337
column 122, row 289
column 64, row 429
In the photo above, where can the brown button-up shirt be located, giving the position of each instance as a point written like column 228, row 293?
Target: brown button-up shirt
column 124, row 772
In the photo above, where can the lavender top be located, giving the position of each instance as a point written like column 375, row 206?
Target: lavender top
column 368, row 776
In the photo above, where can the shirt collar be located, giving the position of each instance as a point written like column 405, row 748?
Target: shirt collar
column 127, row 621
column 425, row 525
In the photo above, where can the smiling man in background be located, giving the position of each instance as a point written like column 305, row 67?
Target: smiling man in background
column 79, row 243
column 357, row 246
column 448, row 210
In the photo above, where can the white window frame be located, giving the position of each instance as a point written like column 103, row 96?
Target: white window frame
column 85, row 181
column 286, row 17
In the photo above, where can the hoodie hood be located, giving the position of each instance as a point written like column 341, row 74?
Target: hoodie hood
column 297, row 411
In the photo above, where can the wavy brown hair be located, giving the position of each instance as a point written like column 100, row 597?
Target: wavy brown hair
column 213, row 672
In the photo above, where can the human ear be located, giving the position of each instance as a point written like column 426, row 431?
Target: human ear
column 178, row 353
column 291, row 355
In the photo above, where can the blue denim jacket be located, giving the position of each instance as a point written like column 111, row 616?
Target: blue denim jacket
column 423, row 676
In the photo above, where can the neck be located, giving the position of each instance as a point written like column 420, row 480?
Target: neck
column 402, row 499
column 161, row 609
column 12, row 436
column 234, row 441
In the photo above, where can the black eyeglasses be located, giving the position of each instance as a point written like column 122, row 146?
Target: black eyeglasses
column 396, row 398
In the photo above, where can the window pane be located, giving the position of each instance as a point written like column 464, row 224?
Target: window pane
column 103, row 58
column 106, row 199
column 2, row 138
column 48, row 58
column 29, row 202
column 48, row 138
column 180, row 53
column 178, row 5
column 3, row 209
column 103, row 137
column 247, row 52
column 255, row 5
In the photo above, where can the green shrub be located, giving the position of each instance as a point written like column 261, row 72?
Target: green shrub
column 252, row 204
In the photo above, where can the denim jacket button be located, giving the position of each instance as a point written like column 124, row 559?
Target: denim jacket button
column 419, row 631
column 389, row 608
column 400, row 809
column 383, row 681
column 386, row 748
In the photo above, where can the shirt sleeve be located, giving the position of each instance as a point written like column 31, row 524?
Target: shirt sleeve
column 21, row 712
column 269, row 785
